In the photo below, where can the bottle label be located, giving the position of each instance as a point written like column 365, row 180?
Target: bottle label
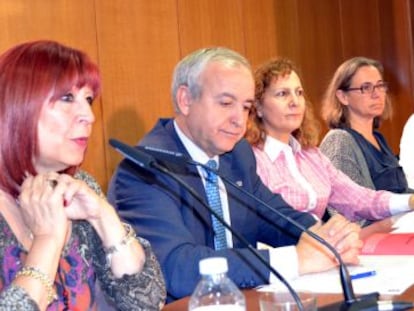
column 220, row 308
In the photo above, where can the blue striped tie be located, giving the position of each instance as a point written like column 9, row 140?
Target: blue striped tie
column 213, row 197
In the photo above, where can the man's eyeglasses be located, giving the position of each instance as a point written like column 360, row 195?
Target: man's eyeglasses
column 369, row 88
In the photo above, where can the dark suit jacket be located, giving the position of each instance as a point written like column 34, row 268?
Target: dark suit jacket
column 179, row 226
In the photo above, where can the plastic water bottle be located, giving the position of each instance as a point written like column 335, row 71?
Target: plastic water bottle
column 216, row 291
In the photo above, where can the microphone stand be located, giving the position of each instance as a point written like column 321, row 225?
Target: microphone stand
column 147, row 161
column 368, row 302
column 351, row 303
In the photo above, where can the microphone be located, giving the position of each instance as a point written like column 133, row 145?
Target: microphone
column 141, row 158
column 351, row 302
column 146, row 161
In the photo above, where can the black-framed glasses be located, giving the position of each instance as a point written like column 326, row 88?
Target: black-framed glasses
column 369, row 88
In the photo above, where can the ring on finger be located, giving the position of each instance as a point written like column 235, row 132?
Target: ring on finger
column 52, row 183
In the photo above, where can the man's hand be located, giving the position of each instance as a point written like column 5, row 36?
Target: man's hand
column 340, row 233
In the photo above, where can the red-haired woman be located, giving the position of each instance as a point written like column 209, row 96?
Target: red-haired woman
column 58, row 234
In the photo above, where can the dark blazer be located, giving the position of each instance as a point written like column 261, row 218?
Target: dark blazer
column 179, row 227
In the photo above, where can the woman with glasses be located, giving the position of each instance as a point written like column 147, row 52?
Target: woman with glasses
column 283, row 133
column 354, row 106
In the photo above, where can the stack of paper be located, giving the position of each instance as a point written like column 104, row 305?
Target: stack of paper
column 404, row 223
column 393, row 273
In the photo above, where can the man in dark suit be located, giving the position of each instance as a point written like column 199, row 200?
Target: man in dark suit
column 213, row 90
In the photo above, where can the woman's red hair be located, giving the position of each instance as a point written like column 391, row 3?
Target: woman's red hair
column 31, row 74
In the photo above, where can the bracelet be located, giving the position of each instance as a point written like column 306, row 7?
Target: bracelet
column 43, row 278
column 127, row 239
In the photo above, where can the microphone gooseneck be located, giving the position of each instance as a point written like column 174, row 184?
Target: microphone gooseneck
column 147, row 161
column 349, row 295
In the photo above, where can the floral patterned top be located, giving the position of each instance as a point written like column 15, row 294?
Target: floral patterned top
column 81, row 265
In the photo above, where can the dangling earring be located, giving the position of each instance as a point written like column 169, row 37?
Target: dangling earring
column 259, row 114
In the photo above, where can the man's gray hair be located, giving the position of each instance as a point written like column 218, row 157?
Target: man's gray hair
column 189, row 69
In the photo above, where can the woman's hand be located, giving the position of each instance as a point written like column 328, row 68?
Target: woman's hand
column 42, row 207
column 50, row 200
column 80, row 201
column 63, row 198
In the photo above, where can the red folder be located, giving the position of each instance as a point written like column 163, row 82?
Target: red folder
column 389, row 244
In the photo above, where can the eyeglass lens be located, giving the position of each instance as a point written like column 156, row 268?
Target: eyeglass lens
column 368, row 88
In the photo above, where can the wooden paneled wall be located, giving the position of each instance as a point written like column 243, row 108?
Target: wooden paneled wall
column 138, row 42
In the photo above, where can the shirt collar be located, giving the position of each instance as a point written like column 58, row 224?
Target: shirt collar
column 273, row 147
column 196, row 153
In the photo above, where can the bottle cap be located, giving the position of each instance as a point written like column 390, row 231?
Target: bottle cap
column 213, row 265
